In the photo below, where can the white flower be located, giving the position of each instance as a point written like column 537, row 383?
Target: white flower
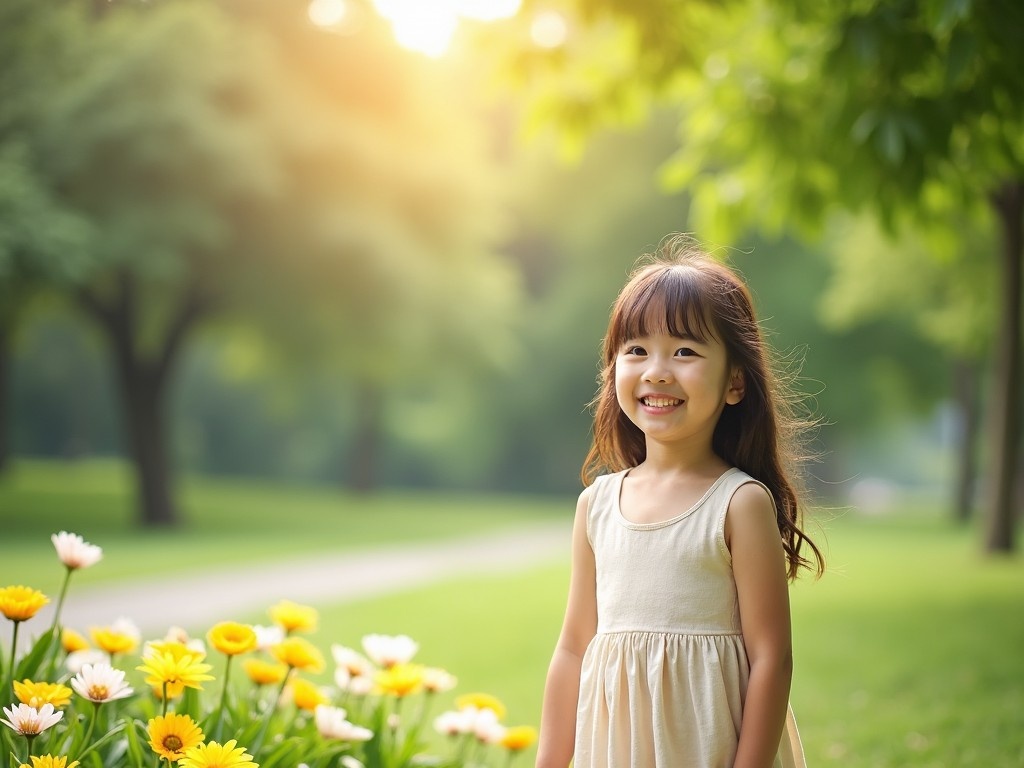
column 357, row 685
column 78, row 659
column 124, row 626
column 178, row 635
column 452, row 723
column 351, row 660
column 482, row 723
column 100, row 683
column 436, row 680
column 388, row 650
column 350, row 762
column 486, row 726
column 29, row 721
column 268, row 636
column 331, row 723
column 74, row 551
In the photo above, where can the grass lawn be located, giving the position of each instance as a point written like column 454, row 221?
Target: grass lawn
column 226, row 522
column 910, row 651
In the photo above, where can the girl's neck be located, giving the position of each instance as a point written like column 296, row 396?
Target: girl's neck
column 681, row 460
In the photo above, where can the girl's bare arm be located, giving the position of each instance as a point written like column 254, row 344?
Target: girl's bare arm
column 760, row 572
column 561, row 691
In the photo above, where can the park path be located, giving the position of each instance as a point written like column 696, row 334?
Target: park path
column 202, row 599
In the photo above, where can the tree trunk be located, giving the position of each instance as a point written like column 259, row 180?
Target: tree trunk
column 5, row 396
column 144, row 408
column 965, row 393
column 999, row 537
column 144, row 382
column 365, row 453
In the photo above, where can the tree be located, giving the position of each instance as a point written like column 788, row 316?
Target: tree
column 917, row 282
column 233, row 162
column 37, row 233
column 908, row 109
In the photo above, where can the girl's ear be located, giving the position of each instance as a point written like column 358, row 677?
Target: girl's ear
column 737, row 387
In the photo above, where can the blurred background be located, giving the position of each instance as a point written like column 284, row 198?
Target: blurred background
column 373, row 244
column 282, row 278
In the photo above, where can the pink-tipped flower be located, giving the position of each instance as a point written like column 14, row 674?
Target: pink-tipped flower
column 100, row 683
column 74, row 551
column 29, row 721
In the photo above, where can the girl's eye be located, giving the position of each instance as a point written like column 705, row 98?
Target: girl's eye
column 685, row 352
column 635, row 350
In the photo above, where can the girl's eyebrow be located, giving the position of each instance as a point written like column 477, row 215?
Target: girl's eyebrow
column 647, row 337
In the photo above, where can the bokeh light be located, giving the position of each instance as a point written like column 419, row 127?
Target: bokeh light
column 328, row 13
column 430, row 27
column 549, row 29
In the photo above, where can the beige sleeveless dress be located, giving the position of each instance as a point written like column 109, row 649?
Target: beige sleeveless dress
column 663, row 680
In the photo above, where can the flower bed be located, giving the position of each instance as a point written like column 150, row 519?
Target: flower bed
column 122, row 701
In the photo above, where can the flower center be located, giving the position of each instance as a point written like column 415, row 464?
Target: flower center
column 98, row 692
column 172, row 743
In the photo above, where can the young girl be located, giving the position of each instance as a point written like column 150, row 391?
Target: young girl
column 675, row 651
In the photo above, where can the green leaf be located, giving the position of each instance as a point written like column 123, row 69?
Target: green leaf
column 889, row 141
column 138, row 741
column 33, row 661
column 103, row 740
column 963, row 48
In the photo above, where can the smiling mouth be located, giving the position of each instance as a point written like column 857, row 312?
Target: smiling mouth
column 660, row 402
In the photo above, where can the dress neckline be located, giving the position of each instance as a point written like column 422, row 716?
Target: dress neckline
column 626, row 522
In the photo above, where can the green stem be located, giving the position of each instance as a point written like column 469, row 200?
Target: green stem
column 60, row 600
column 270, row 712
column 223, row 699
column 14, row 650
column 56, row 626
column 163, row 698
column 92, row 723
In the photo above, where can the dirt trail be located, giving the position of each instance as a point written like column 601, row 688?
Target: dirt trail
column 202, row 599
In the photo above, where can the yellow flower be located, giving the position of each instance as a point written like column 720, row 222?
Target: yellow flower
column 175, row 648
column 299, row 653
column 232, row 638
column 20, row 603
column 171, row 735
column 519, row 737
column 307, row 695
column 37, row 694
column 71, row 641
column 213, row 755
column 481, row 701
column 264, row 672
column 48, row 761
column 173, row 667
column 401, row 679
column 292, row 617
column 114, row 639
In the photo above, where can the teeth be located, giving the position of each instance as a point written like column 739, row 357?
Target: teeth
column 660, row 402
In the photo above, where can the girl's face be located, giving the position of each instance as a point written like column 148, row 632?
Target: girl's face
column 674, row 388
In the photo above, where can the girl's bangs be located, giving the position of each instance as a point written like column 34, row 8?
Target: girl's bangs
column 670, row 302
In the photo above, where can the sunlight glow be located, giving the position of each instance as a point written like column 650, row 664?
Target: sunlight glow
column 428, row 27
column 549, row 29
column 327, row 13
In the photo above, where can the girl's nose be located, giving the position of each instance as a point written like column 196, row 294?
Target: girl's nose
column 656, row 372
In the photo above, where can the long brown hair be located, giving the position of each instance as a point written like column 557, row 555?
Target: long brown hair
column 682, row 291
